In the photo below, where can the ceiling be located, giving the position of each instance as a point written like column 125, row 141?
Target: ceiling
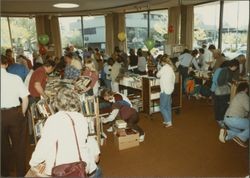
column 87, row 7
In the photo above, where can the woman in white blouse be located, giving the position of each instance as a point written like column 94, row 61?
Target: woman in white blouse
column 59, row 128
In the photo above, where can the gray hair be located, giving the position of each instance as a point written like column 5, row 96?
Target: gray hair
column 67, row 100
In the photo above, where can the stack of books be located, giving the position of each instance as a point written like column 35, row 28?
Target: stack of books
column 120, row 124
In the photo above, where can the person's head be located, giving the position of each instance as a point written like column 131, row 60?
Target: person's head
column 194, row 53
column 67, row 100
column 139, row 52
column 241, row 58
column 68, row 57
column 186, row 51
column 49, row 66
column 4, row 61
column 9, row 52
column 211, row 47
column 244, row 86
column 201, row 50
column 217, row 53
column 89, row 64
column 110, row 61
column 233, row 64
column 204, row 46
column 107, row 94
column 131, row 51
column 166, row 60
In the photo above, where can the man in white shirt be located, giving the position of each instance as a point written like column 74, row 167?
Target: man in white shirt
column 13, row 121
column 207, row 58
column 167, row 81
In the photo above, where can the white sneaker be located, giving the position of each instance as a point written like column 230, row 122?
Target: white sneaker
column 110, row 129
column 141, row 138
column 223, row 134
column 168, row 124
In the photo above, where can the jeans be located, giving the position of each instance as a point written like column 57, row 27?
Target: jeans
column 97, row 173
column 237, row 127
column 165, row 106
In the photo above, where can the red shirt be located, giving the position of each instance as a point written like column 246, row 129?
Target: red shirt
column 39, row 75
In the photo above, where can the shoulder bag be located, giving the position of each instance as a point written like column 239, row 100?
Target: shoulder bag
column 75, row 169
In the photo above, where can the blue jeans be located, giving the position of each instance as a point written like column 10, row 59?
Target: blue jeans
column 165, row 106
column 97, row 173
column 237, row 127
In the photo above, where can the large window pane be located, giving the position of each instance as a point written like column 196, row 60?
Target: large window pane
column 94, row 32
column 235, row 25
column 136, row 29
column 71, row 31
column 206, row 24
column 5, row 35
column 158, row 27
column 24, row 36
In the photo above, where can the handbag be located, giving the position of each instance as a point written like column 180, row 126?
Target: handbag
column 75, row 169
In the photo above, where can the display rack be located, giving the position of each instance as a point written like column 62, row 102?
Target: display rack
column 151, row 94
column 91, row 113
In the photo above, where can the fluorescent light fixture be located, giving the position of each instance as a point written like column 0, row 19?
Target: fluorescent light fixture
column 66, row 5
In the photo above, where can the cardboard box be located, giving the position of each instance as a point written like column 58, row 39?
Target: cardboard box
column 127, row 141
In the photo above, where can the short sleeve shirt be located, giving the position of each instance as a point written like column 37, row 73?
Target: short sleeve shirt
column 39, row 75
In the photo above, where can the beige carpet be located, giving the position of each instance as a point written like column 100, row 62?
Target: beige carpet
column 190, row 148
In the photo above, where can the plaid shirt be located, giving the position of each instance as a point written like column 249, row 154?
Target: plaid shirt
column 71, row 73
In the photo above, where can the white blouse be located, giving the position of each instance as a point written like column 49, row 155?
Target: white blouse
column 58, row 127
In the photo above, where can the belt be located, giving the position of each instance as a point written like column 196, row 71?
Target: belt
column 5, row 109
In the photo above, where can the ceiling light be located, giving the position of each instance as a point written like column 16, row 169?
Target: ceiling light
column 66, row 5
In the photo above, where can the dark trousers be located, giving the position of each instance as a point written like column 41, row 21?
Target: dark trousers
column 220, row 106
column 133, row 123
column 13, row 129
column 184, row 74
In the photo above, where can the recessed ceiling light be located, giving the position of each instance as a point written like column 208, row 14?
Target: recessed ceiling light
column 66, row 5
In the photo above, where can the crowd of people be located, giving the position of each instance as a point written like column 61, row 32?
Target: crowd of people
column 27, row 80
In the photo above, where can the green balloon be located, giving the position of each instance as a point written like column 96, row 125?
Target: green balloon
column 150, row 43
column 165, row 36
column 43, row 39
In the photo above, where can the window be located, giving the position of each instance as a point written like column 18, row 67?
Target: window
column 71, row 31
column 235, row 26
column 23, row 35
column 158, row 27
column 92, row 34
column 5, row 35
column 136, row 29
column 206, row 24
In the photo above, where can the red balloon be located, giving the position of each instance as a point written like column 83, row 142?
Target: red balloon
column 170, row 29
column 42, row 50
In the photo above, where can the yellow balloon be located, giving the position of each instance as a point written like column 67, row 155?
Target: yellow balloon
column 121, row 36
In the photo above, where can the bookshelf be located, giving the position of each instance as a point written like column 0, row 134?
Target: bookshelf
column 91, row 113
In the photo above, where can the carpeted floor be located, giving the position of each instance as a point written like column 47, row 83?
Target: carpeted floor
column 190, row 148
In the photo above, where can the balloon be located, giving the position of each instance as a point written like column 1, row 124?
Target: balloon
column 43, row 39
column 42, row 50
column 165, row 36
column 150, row 43
column 121, row 36
column 170, row 29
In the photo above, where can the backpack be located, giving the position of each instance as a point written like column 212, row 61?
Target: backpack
column 190, row 86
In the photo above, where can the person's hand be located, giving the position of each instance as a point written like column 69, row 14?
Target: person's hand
column 104, row 120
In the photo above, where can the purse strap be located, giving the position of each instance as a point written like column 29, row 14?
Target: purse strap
column 79, row 154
